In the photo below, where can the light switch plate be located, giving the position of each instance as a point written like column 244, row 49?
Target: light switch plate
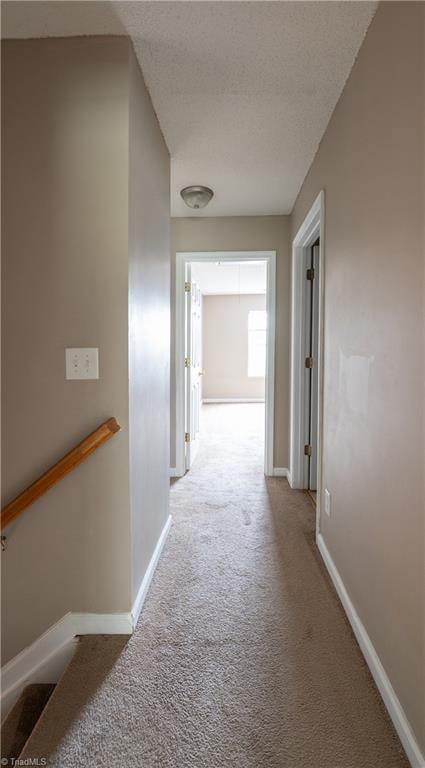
column 82, row 363
column 327, row 502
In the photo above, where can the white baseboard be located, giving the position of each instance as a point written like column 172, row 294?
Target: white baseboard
column 394, row 708
column 143, row 589
column 174, row 472
column 233, row 400
column 45, row 660
column 280, row 472
column 102, row 623
column 41, row 662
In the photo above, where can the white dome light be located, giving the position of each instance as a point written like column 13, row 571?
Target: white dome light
column 196, row 196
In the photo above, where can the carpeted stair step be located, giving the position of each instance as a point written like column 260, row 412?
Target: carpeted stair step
column 21, row 720
column 94, row 658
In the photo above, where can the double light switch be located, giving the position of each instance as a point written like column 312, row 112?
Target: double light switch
column 82, row 363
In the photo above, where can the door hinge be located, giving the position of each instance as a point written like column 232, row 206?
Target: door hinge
column 187, row 437
column 188, row 287
column 187, row 362
column 307, row 450
column 310, row 274
column 309, row 362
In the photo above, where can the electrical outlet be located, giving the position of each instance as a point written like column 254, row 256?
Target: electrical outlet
column 82, row 363
column 327, row 502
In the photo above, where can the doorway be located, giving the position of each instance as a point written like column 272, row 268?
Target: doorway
column 307, row 355
column 312, row 348
column 189, row 364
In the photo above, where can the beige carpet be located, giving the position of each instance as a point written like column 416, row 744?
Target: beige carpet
column 242, row 656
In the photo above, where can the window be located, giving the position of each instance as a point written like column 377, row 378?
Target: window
column 257, row 326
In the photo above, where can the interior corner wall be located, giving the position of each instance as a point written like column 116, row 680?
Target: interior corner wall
column 149, row 325
column 225, row 346
column 371, row 166
column 65, row 122
column 243, row 233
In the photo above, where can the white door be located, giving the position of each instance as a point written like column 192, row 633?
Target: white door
column 314, row 373
column 193, row 366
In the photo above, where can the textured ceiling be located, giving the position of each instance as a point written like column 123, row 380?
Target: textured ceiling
column 243, row 90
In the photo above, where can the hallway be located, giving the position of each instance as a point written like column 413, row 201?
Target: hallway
column 213, row 203
column 242, row 656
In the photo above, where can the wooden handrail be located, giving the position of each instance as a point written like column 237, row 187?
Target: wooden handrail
column 61, row 468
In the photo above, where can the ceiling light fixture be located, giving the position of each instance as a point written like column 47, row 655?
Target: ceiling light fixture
column 196, row 196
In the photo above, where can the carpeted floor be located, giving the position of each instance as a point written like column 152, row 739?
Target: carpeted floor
column 242, row 656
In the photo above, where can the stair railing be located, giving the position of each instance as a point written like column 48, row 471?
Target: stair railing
column 62, row 467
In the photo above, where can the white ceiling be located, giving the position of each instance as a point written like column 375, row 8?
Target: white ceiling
column 230, row 277
column 243, row 90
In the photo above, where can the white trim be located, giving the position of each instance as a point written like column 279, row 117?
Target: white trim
column 173, row 472
column 46, row 658
column 312, row 227
column 233, row 400
column 394, row 708
column 102, row 623
column 270, row 366
column 150, row 570
column 42, row 661
column 183, row 258
column 280, row 472
column 240, row 292
column 226, row 255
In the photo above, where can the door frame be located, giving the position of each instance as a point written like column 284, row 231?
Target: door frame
column 182, row 258
column 192, row 447
column 312, row 228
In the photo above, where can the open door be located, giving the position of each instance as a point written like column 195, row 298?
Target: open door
column 313, row 352
column 193, row 366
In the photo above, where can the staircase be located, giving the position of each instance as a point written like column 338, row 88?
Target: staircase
column 53, row 722
column 22, row 719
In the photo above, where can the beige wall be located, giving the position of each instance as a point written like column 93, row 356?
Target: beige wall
column 65, row 176
column 149, row 326
column 244, row 233
column 225, row 347
column 371, row 166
